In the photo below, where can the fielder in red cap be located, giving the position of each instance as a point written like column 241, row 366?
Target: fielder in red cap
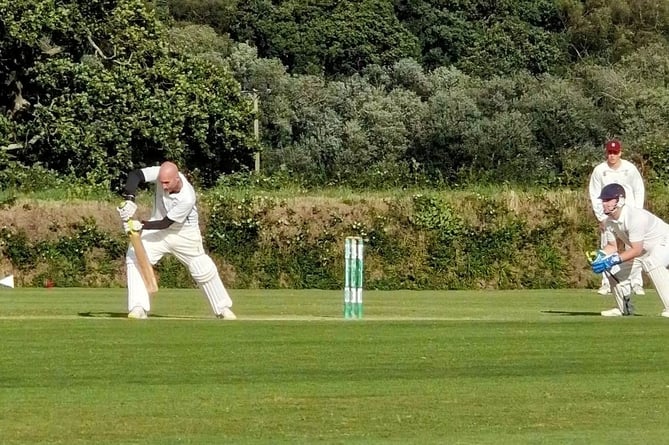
column 613, row 146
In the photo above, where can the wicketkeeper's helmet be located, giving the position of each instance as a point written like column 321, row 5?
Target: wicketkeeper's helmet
column 612, row 191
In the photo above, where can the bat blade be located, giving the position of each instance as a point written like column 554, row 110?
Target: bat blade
column 143, row 263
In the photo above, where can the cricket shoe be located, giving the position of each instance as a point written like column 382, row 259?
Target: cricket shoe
column 227, row 314
column 665, row 314
column 138, row 313
column 604, row 290
column 615, row 312
column 638, row 290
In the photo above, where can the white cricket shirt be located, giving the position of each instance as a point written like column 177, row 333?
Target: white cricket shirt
column 635, row 225
column 179, row 207
column 626, row 175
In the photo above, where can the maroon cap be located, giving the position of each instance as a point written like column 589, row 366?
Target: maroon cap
column 613, row 146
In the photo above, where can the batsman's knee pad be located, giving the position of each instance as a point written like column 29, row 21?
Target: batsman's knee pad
column 648, row 264
column 204, row 272
column 203, row 269
column 655, row 260
column 130, row 257
column 137, row 293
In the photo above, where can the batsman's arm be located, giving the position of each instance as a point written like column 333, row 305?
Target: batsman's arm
column 159, row 224
column 594, row 187
column 135, row 178
column 635, row 250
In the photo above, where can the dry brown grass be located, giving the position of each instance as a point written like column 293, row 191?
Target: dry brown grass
column 45, row 219
column 291, row 215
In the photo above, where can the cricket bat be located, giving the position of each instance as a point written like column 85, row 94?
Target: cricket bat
column 145, row 267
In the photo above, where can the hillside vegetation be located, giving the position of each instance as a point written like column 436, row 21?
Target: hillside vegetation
column 356, row 93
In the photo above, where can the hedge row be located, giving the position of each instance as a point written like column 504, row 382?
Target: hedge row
column 449, row 240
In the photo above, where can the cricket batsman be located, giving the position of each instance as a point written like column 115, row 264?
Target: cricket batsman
column 172, row 229
column 645, row 237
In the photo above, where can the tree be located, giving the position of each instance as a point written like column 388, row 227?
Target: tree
column 95, row 89
column 607, row 30
column 323, row 37
column 504, row 47
column 486, row 38
column 219, row 14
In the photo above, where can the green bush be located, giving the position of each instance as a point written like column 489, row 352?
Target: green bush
column 83, row 256
column 417, row 242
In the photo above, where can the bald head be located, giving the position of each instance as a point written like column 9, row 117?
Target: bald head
column 168, row 176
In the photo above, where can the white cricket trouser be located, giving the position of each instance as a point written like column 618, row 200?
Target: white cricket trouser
column 185, row 243
column 654, row 263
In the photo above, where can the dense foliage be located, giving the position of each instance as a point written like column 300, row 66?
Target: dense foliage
column 361, row 93
column 93, row 89
column 320, row 37
column 487, row 38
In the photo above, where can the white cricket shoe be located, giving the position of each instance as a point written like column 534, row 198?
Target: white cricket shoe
column 227, row 314
column 138, row 313
column 615, row 312
column 638, row 290
column 604, row 290
column 665, row 313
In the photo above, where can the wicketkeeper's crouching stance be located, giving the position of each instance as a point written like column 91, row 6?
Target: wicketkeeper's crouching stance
column 172, row 229
column 646, row 238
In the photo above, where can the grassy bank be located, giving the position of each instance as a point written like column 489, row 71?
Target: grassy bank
column 485, row 238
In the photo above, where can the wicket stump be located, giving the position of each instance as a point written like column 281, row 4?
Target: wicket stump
column 353, row 266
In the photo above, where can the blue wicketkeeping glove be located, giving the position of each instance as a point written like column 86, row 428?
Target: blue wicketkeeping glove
column 602, row 264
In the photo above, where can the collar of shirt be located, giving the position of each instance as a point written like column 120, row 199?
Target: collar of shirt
column 620, row 222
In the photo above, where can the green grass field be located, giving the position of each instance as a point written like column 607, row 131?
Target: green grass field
column 516, row 367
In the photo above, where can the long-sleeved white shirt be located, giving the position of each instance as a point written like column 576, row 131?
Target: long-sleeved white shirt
column 626, row 175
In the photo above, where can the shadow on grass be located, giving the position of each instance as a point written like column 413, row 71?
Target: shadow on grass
column 580, row 313
column 105, row 314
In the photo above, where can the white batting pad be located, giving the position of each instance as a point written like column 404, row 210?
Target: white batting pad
column 204, row 272
column 659, row 275
column 622, row 292
column 137, row 294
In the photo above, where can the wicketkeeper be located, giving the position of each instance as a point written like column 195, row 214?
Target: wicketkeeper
column 645, row 236
column 172, row 229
